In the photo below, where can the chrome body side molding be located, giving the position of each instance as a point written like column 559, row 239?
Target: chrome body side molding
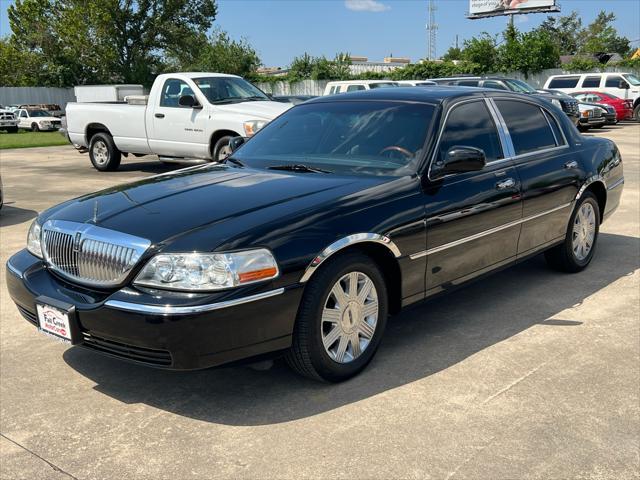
column 345, row 242
column 173, row 310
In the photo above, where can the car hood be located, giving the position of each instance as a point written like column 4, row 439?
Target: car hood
column 222, row 200
column 267, row 110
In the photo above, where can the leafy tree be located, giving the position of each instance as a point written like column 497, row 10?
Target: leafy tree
column 92, row 41
column 528, row 52
column 427, row 69
column 19, row 68
column 565, row 31
column 220, row 53
column 454, row 53
column 481, row 51
column 301, row 68
column 341, row 64
column 601, row 36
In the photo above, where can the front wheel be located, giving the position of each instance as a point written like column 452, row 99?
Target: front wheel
column 221, row 149
column 579, row 245
column 636, row 113
column 341, row 319
column 103, row 153
column 35, row 127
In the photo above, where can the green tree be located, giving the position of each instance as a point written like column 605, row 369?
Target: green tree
column 528, row 52
column 301, row 68
column 91, row 41
column 601, row 36
column 220, row 53
column 19, row 68
column 566, row 32
column 454, row 53
column 481, row 51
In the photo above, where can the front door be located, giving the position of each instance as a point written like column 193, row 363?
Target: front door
column 549, row 171
column 177, row 131
column 472, row 218
column 612, row 84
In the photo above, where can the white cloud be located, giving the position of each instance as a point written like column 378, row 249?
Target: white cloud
column 366, row 6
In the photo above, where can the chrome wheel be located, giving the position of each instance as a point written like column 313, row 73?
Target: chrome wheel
column 584, row 231
column 349, row 317
column 100, row 152
column 224, row 152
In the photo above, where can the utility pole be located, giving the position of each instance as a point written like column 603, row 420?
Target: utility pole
column 432, row 28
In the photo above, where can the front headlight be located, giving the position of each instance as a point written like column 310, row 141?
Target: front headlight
column 252, row 126
column 208, row 271
column 45, row 122
column 33, row 239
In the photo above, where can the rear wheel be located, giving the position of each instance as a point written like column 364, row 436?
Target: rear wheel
column 103, row 153
column 579, row 245
column 636, row 113
column 341, row 319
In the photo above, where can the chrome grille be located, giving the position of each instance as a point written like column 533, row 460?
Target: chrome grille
column 90, row 255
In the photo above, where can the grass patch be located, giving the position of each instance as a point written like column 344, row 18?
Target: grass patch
column 26, row 139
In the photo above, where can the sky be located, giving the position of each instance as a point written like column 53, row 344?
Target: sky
column 280, row 30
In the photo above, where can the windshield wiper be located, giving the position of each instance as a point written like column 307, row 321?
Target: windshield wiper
column 235, row 161
column 298, row 167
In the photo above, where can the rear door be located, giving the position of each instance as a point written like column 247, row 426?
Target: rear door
column 546, row 165
column 177, row 131
column 472, row 218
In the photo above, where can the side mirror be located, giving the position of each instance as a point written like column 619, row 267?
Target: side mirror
column 623, row 85
column 236, row 142
column 461, row 159
column 189, row 101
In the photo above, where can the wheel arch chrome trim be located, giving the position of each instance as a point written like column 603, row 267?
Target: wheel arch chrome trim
column 345, row 242
column 175, row 310
column 588, row 182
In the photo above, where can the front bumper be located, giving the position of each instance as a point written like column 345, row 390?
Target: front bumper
column 592, row 121
column 163, row 329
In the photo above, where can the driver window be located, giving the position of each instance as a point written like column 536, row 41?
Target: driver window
column 172, row 90
column 471, row 125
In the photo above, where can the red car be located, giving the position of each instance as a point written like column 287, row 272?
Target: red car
column 624, row 108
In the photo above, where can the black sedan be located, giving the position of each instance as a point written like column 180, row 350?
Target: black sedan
column 337, row 214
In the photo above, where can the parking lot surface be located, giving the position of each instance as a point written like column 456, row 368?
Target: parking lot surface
column 529, row 373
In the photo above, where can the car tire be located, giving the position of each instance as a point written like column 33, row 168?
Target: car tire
column 322, row 353
column 221, row 149
column 577, row 249
column 35, row 127
column 103, row 153
column 636, row 113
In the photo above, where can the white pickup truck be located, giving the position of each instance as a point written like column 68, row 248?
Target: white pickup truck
column 186, row 116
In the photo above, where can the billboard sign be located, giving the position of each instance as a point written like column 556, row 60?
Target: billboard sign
column 491, row 8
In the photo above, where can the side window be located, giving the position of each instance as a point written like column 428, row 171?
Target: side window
column 613, row 81
column 172, row 90
column 564, row 82
column 528, row 127
column 582, row 97
column 23, row 114
column 593, row 98
column 471, row 125
column 353, row 88
column 555, row 128
column 494, row 84
column 591, row 82
column 468, row 83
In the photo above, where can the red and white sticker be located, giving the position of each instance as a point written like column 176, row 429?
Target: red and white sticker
column 54, row 322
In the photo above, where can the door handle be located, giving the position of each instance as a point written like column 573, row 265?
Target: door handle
column 159, row 115
column 504, row 184
column 571, row 164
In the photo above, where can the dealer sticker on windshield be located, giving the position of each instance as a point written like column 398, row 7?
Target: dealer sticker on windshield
column 54, row 322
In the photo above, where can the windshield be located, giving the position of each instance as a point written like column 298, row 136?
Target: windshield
column 383, row 85
column 38, row 113
column 370, row 138
column 520, row 86
column 632, row 79
column 220, row 90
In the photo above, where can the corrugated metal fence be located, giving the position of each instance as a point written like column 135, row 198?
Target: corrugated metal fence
column 20, row 95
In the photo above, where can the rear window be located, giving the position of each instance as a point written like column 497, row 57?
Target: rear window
column 528, row 126
column 564, row 82
column 591, row 82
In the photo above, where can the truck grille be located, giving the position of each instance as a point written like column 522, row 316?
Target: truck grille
column 7, row 116
column 571, row 107
column 90, row 255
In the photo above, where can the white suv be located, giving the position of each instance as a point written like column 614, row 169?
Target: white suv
column 333, row 88
column 622, row 85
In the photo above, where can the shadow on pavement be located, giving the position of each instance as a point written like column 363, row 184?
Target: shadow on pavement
column 419, row 342
column 10, row 215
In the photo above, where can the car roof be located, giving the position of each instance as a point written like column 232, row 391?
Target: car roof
column 432, row 95
column 359, row 82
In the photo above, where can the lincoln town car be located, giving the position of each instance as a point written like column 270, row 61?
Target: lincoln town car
column 333, row 217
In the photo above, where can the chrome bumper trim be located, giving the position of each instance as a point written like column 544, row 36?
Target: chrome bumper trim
column 169, row 310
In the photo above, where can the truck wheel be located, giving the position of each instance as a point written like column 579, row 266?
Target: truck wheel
column 636, row 113
column 221, row 149
column 341, row 319
column 35, row 127
column 103, row 153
